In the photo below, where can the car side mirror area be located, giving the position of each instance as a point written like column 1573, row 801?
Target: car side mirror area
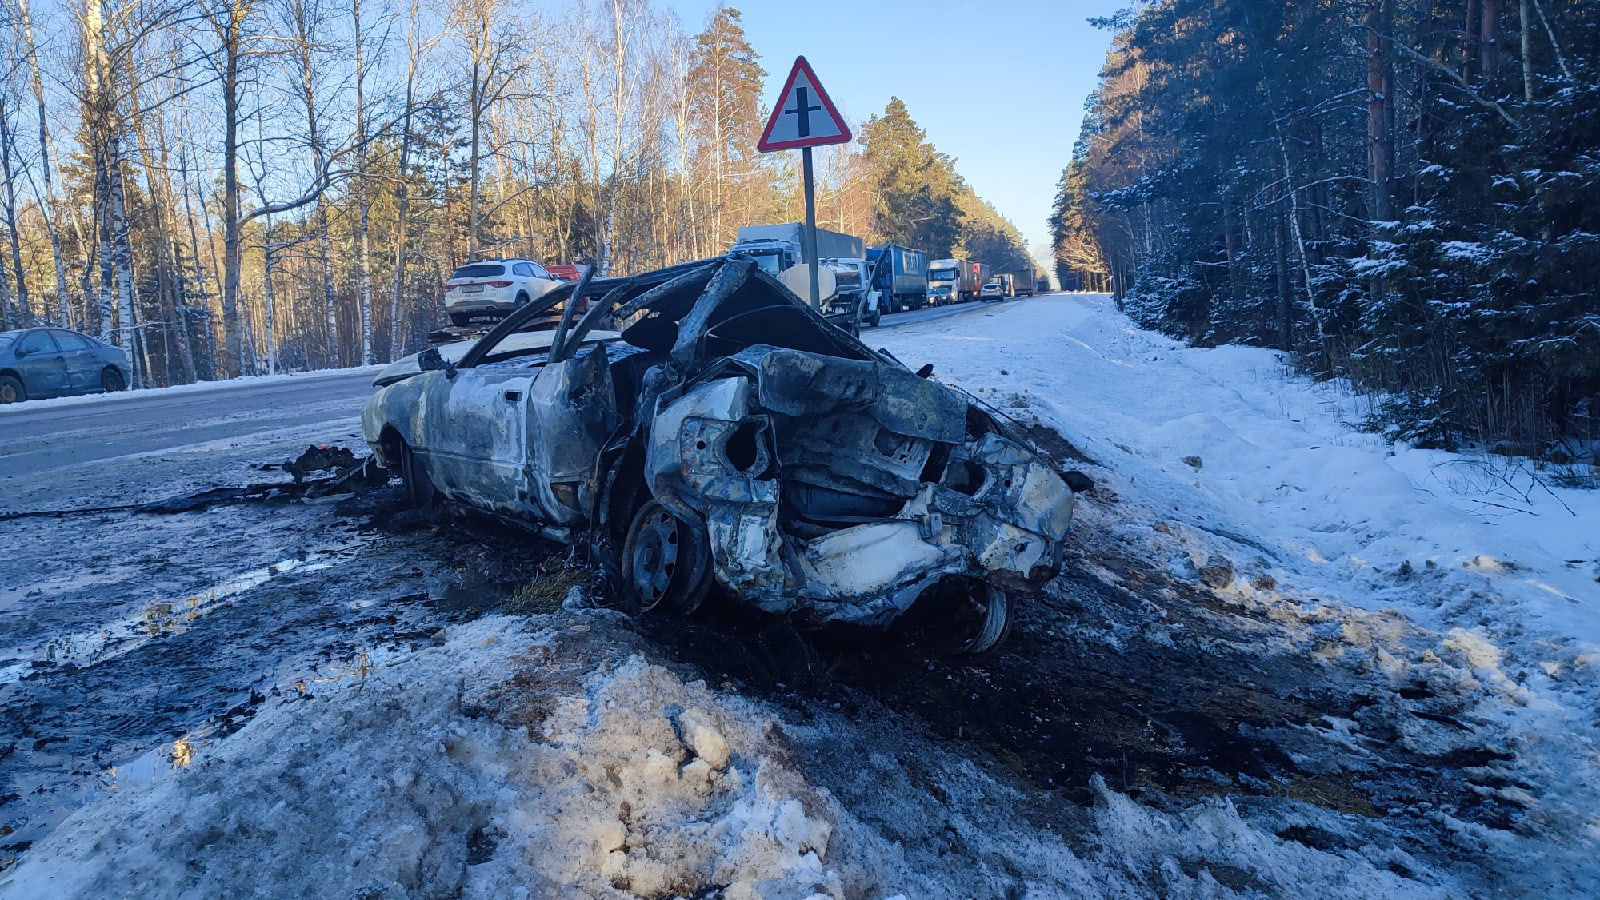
column 20, row 352
column 431, row 360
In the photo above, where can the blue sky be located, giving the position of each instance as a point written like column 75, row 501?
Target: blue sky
column 998, row 85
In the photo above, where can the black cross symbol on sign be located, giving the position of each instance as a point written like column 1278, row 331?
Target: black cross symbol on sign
column 803, row 111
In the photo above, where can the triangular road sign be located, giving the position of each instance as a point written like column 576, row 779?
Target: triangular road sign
column 803, row 115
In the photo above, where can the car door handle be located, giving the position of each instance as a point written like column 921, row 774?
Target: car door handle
column 513, row 396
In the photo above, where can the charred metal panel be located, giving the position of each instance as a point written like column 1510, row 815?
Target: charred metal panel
column 572, row 412
column 808, row 385
column 710, row 459
column 474, row 436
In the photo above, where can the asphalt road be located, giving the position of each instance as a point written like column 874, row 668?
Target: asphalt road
column 56, row 435
column 40, row 437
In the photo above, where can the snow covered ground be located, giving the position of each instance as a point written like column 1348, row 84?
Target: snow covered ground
column 1416, row 635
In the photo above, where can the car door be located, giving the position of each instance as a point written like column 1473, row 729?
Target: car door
column 41, row 364
column 82, row 361
column 474, row 434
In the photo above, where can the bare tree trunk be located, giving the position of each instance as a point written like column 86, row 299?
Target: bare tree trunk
column 269, row 309
column 231, row 33
column 475, row 104
column 402, row 185
column 364, row 206
column 22, row 303
column 1489, row 39
column 1555, row 45
column 169, row 272
column 47, row 165
column 102, row 216
column 306, row 21
column 1470, row 49
column 1379, row 21
column 122, row 252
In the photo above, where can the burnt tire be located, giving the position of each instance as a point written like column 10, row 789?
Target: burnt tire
column 964, row 617
column 994, row 620
column 414, row 475
column 12, row 390
column 665, row 562
column 111, row 381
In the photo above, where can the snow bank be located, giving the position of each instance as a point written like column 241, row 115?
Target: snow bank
column 436, row 776
column 506, row 762
column 1230, row 470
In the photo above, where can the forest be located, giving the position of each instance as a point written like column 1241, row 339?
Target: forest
column 1401, row 193
column 228, row 187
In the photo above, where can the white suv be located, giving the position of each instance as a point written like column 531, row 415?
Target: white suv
column 494, row 287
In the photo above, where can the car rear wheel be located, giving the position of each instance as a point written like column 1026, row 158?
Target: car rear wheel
column 964, row 616
column 111, row 380
column 11, row 390
column 665, row 562
column 990, row 615
column 460, row 318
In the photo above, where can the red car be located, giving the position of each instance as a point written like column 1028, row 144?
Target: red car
column 566, row 272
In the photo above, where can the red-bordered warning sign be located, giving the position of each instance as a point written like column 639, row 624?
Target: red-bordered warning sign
column 803, row 115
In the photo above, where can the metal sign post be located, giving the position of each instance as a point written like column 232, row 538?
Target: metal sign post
column 811, row 225
column 802, row 96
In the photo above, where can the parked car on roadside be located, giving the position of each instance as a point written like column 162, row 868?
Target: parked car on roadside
column 727, row 434
column 494, row 287
column 992, row 290
column 36, row 363
column 567, row 271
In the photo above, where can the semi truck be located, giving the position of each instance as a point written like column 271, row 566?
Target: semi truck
column 900, row 275
column 1018, row 283
column 952, row 281
column 779, row 247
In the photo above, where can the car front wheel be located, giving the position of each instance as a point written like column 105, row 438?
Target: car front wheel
column 419, row 487
column 11, row 390
column 111, row 381
column 665, row 562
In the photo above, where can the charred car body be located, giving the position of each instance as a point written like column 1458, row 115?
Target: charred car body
column 730, row 434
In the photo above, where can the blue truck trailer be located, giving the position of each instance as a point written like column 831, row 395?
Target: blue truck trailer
column 900, row 275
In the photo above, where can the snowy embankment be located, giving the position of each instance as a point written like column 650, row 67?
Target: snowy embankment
column 554, row 757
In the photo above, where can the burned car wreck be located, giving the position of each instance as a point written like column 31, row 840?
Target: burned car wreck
column 727, row 433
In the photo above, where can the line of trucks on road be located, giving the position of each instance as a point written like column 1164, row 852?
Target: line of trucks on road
column 880, row 280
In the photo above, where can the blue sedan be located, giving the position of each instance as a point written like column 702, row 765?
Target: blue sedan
column 53, row 362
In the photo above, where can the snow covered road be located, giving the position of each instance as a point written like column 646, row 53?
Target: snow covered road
column 1285, row 658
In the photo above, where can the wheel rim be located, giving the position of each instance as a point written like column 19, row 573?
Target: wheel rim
column 8, row 393
column 666, row 562
column 654, row 560
column 110, row 381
